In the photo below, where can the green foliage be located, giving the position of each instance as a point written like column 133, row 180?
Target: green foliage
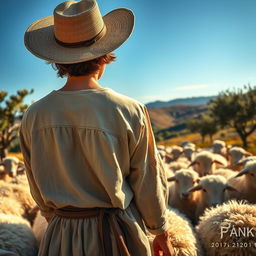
column 11, row 112
column 236, row 109
column 205, row 125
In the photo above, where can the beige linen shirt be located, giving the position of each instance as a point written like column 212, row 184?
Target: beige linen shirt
column 94, row 148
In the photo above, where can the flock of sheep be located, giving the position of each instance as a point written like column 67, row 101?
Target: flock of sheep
column 214, row 189
column 212, row 205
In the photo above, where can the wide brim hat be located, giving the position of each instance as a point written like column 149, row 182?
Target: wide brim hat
column 77, row 32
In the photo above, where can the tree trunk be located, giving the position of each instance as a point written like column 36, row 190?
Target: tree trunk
column 202, row 138
column 243, row 138
column 3, row 153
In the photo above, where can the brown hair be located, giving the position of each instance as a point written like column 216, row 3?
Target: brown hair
column 82, row 68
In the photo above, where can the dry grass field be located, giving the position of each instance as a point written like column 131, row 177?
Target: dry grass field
column 229, row 136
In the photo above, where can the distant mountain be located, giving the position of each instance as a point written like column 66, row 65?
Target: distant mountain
column 166, row 117
column 194, row 101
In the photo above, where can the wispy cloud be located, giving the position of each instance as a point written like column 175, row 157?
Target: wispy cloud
column 192, row 87
column 149, row 98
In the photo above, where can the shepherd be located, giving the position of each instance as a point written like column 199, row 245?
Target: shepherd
column 90, row 154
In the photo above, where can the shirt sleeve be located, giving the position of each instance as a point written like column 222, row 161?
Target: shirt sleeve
column 148, row 178
column 26, row 152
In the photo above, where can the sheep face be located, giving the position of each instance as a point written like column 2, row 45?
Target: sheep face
column 203, row 164
column 212, row 190
column 184, row 179
column 188, row 152
column 236, row 154
column 176, row 152
column 249, row 172
column 219, row 147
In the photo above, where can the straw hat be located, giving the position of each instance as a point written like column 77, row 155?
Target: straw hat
column 77, row 32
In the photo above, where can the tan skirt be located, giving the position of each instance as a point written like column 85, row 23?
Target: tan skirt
column 80, row 236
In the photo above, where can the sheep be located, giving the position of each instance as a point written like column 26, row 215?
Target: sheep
column 236, row 154
column 245, row 183
column 219, row 147
column 10, row 206
column 205, row 162
column 21, row 194
column 7, row 253
column 20, row 179
column 241, row 163
column 176, row 152
column 182, row 235
column 227, row 173
column 211, row 192
column 189, row 152
column 39, row 227
column 228, row 229
column 177, row 165
column 11, row 164
column 16, row 236
column 178, row 196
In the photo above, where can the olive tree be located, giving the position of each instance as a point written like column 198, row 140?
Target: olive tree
column 11, row 112
column 236, row 109
column 204, row 125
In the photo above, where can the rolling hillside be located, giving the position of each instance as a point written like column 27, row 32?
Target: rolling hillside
column 193, row 101
column 165, row 117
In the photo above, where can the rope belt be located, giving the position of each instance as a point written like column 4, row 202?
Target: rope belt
column 107, row 220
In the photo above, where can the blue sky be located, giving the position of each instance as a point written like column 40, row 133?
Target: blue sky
column 179, row 48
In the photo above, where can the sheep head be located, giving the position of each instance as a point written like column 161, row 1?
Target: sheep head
column 212, row 189
column 184, row 179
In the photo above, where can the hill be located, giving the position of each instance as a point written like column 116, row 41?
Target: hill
column 193, row 101
column 166, row 117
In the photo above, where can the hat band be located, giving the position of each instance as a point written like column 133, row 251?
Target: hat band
column 86, row 42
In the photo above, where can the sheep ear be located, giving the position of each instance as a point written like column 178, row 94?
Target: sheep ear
column 193, row 189
column 192, row 164
column 217, row 162
column 244, row 171
column 168, row 156
column 230, row 188
column 171, row 179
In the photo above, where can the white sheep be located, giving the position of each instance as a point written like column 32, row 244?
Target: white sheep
column 21, row 194
column 245, row 183
column 16, row 236
column 219, row 147
column 11, row 164
column 241, row 163
column 39, row 227
column 227, row 173
column 189, row 152
column 236, row 154
column 7, row 253
column 205, row 162
column 176, row 152
column 182, row 235
column 228, row 229
column 10, row 206
column 211, row 191
column 177, row 165
column 179, row 198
